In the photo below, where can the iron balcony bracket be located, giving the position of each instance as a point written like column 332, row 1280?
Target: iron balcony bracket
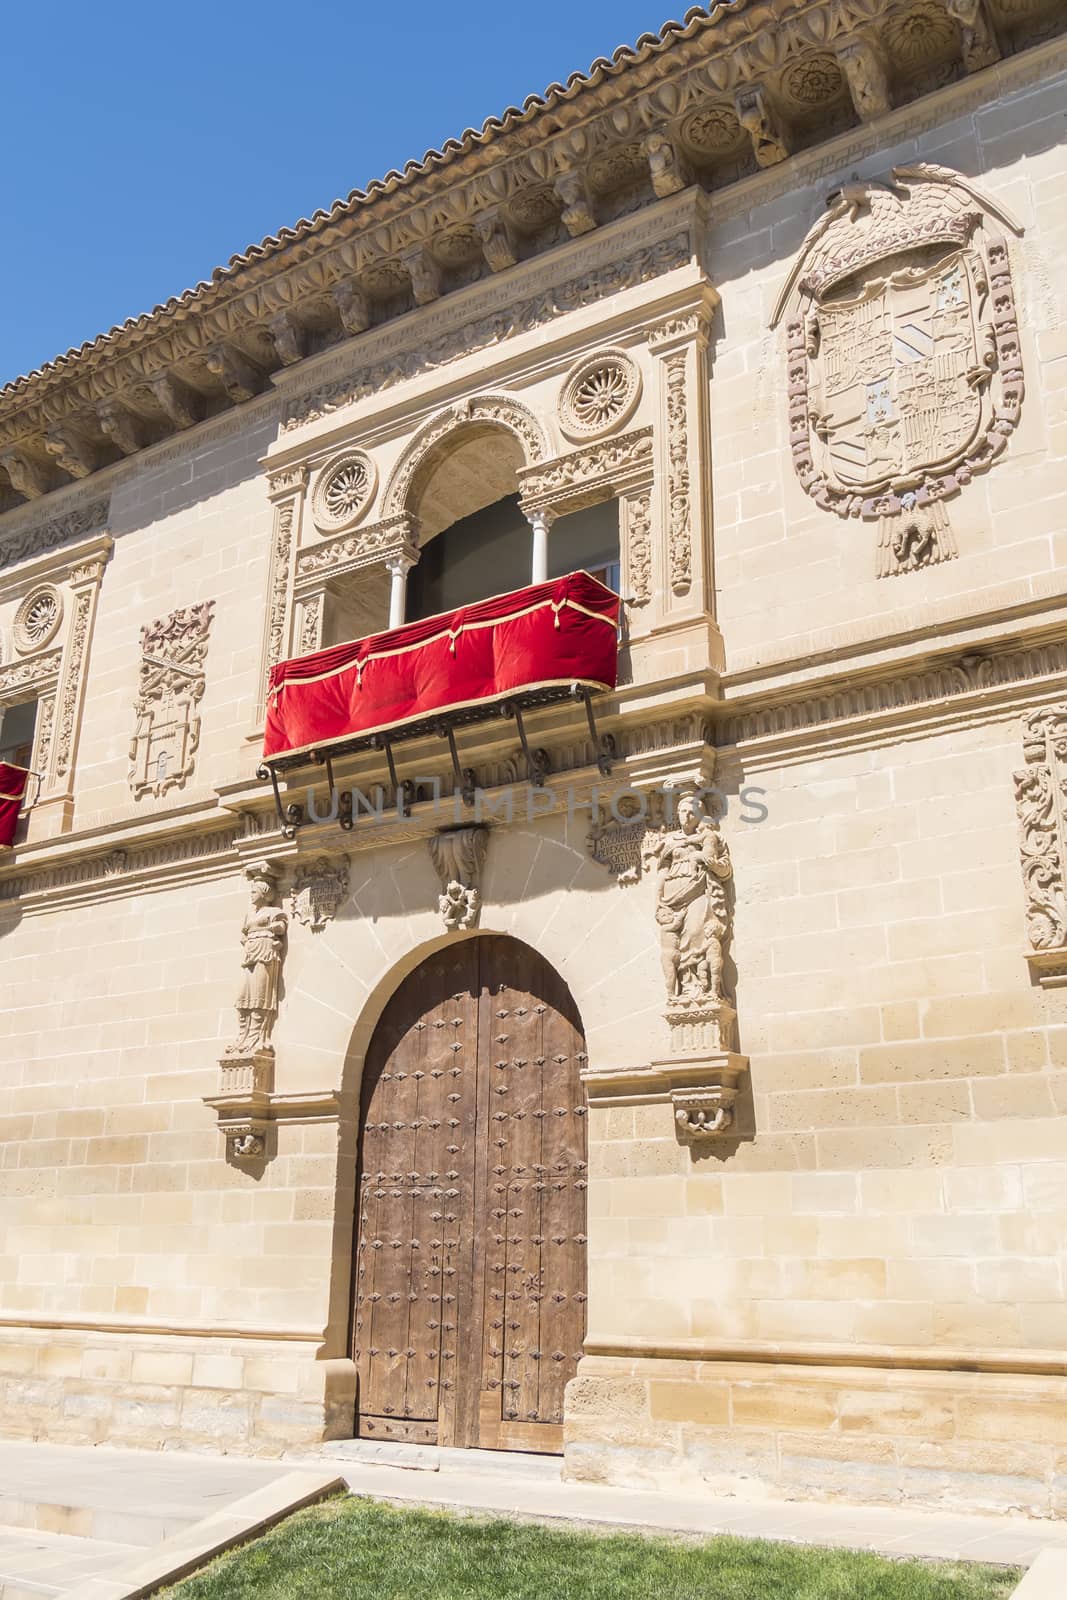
column 538, row 765
column 604, row 746
column 291, row 816
column 466, row 777
column 403, row 789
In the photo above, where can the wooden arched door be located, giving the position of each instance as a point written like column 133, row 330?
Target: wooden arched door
column 471, row 1249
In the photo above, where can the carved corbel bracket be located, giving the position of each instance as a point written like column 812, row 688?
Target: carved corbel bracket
column 242, row 1104
column 700, row 1091
column 246, row 1105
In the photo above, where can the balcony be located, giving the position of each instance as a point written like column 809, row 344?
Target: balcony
column 496, row 658
column 13, row 784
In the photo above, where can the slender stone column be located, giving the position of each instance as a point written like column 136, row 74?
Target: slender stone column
column 540, row 522
column 398, row 568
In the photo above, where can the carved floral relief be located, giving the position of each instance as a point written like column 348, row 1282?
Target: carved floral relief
column 1041, row 805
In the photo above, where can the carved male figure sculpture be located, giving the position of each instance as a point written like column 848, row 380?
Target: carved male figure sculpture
column 263, row 949
column 693, row 864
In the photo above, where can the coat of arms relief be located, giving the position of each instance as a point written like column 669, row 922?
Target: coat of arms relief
column 171, row 687
column 905, row 374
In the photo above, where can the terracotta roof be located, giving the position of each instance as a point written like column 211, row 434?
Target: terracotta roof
column 621, row 61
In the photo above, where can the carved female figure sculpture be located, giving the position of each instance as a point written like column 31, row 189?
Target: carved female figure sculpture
column 263, row 949
column 693, row 865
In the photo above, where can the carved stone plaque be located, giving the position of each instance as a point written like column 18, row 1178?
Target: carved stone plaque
column 172, row 680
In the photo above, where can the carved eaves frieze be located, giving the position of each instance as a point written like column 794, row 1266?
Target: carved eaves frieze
column 730, row 92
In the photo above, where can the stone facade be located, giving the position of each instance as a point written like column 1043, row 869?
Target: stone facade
column 828, row 1161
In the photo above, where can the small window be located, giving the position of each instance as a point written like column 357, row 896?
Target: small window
column 17, row 725
column 587, row 541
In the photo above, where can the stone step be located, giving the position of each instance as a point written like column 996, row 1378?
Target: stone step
column 115, row 1496
column 438, row 1458
column 35, row 1565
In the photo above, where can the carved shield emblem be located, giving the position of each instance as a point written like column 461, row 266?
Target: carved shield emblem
column 904, row 369
column 898, row 379
column 318, row 890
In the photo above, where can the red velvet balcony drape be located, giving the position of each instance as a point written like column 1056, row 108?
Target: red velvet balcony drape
column 548, row 635
column 13, row 782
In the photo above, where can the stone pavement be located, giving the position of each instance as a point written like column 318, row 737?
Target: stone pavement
column 531, row 1486
column 90, row 1523
column 71, row 1513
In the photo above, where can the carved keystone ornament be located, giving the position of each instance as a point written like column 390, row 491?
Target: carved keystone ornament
column 459, row 855
column 904, row 368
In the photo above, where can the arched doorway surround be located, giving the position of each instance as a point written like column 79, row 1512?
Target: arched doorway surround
column 470, row 1282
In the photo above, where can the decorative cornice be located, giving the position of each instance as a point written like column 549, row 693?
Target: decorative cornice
column 718, row 97
column 583, row 477
column 481, row 332
column 46, row 534
column 116, row 870
column 857, row 705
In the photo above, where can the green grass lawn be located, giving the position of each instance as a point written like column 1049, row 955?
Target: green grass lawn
column 362, row 1550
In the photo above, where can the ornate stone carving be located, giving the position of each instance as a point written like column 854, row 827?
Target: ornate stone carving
column 317, row 892
column 908, row 694
column 586, row 476
column 616, row 840
column 920, row 537
column 904, row 371
column 637, row 516
column 170, row 688
column 46, row 716
column 713, row 131
column 980, row 47
column 496, row 239
column 344, row 491
column 459, row 856
column 1040, row 791
column 70, row 693
column 679, row 536
column 666, row 168
column 263, row 935
column 278, row 600
column 864, row 68
column 599, row 395
column 703, row 1113
column 41, row 537
column 756, row 115
column 71, row 450
column 38, row 618
column 922, row 34
column 420, row 454
column 692, row 867
column 578, row 216
column 484, row 332
column 17, row 676
column 310, row 623
column 812, row 80
column 694, row 324
column 374, row 543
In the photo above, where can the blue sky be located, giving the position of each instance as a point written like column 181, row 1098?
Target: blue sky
column 147, row 143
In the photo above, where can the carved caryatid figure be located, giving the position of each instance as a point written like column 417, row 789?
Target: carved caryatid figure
column 263, row 950
column 693, row 865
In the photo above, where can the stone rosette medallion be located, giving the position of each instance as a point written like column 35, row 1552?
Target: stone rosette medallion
column 599, row 395
column 343, row 491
